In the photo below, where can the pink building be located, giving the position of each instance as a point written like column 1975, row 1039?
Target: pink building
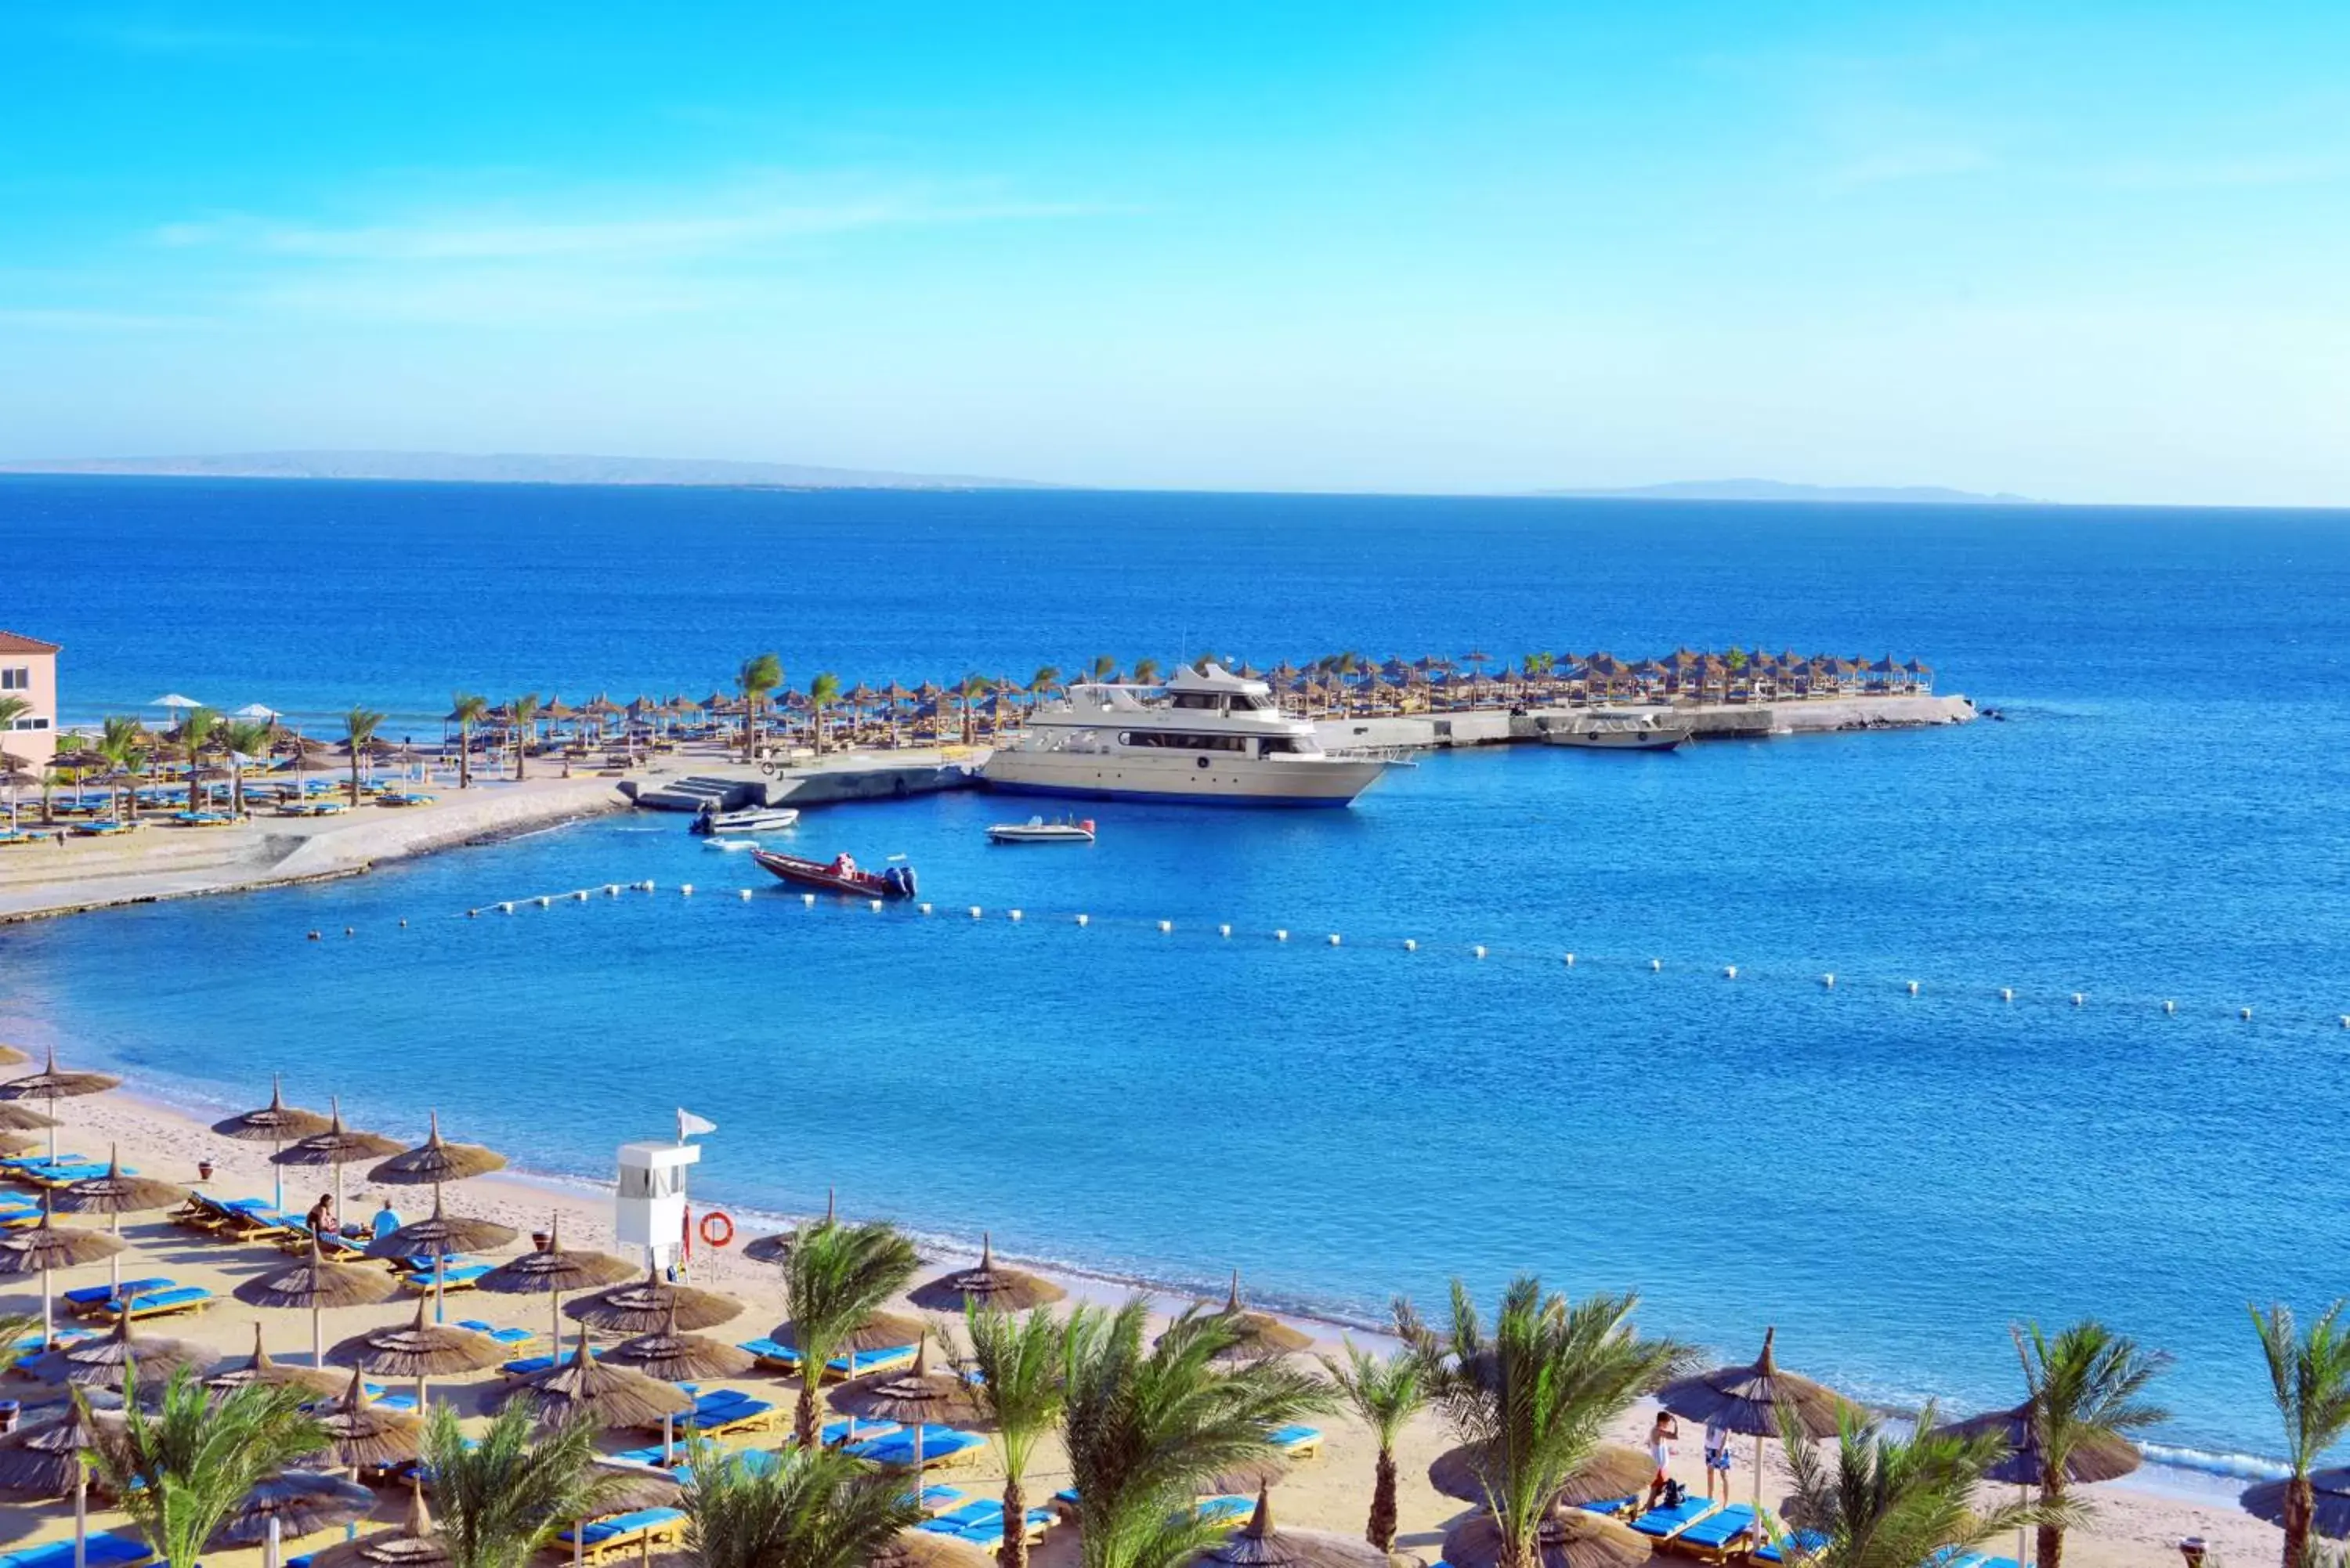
column 28, row 669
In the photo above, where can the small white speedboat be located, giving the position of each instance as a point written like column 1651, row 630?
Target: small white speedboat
column 731, row 846
column 750, row 819
column 1036, row 830
column 1622, row 733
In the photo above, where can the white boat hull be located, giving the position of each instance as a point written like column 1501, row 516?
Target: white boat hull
column 1619, row 739
column 1177, row 775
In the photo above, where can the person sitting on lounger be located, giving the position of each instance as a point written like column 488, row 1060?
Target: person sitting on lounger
column 321, row 1218
column 387, row 1220
column 1660, row 1448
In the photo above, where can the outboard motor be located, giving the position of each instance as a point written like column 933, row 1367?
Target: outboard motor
column 704, row 821
column 908, row 871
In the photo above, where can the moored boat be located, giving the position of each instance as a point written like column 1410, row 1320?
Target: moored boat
column 1622, row 733
column 838, row 875
column 1036, row 830
column 710, row 823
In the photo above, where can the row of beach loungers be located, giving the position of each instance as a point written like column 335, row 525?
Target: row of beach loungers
column 1722, row 1533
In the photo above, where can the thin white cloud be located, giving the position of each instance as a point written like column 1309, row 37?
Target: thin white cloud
column 1895, row 165
column 2222, row 173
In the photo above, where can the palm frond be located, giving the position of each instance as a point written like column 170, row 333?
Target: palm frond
column 500, row 1499
column 183, row 1469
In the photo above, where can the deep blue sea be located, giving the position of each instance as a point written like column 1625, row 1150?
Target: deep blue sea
column 1890, row 1180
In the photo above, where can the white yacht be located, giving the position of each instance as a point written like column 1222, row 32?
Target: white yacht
column 1205, row 736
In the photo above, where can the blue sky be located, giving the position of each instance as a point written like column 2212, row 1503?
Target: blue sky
column 2092, row 251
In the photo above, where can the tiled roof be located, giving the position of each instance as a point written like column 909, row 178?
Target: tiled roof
column 10, row 642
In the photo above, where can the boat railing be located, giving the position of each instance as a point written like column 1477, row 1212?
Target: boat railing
column 1395, row 756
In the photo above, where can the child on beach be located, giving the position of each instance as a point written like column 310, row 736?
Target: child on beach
column 1717, row 1460
column 1661, row 1434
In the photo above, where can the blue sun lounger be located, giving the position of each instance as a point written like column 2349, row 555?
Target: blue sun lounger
column 625, row 1533
column 955, row 1521
column 773, row 1354
column 462, row 1277
column 1665, row 1523
column 105, row 1296
column 940, row 1445
column 937, row 1499
column 1612, row 1507
column 523, row 1366
column 1719, row 1533
column 988, row 1536
column 103, row 1547
column 858, row 1363
column 1229, row 1509
column 160, row 1303
column 1297, row 1442
column 725, row 1410
column 502, row 1335
column 1805, row 1540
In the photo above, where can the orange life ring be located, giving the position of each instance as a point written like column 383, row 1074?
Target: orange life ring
column 716, row 1228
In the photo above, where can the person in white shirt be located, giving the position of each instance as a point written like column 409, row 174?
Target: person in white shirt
column 1717, row 1460
column 1661, row 1433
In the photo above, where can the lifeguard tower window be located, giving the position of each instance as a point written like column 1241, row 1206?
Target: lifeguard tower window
column 641, row 1182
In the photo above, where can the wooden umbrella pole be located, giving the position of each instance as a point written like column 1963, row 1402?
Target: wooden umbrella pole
column 48, row 1314
column 276, row 1147
column 318, row 1333
column 1757, row 1475
column 114, row 1225
column 81, row 1512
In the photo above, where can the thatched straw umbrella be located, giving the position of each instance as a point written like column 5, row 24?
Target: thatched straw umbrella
column 120, row 1358
column 50, row 1086
column 1259, row 1334
column 115, row 1195
column 338, row 1145
column 258, row 1368
column 578, row 1386
column 362, row 1435
column 668, row 1355
column 292, row 1503
column 419, row 1350
column 1251, row 1475
column 16, row 1142
column 415, row 1544
column 10, row 1057
column 2099, row 1456
column 879, row 1330
column 276, row 1123
column 1259, row 1544
column 986, row 1286
column 318, row 1284
column 1566, row 1538
column 52, row 1459
column 22, row 1118
column 1613, row 1469
column 928, row 1549
column 777, row 1248
column 911, row 1398
column 439, row 1236
column 2267, row 1501
column 554, row 1273
column 42, row 1249
column 1750, row 1399
column 651, row 1304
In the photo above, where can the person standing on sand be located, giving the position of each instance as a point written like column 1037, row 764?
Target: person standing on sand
column 1717, row 1460
column 1661, row 1433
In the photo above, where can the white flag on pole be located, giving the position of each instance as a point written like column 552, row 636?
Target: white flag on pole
column 689, row 1124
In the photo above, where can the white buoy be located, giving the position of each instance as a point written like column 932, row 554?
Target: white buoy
column 473, row 914
column 1083, row 920
column 685, row 889
column 404, row 925
column 1656, row 965
column 1913, row 988
column 808, row 901
column 1012, row 914
column 505, row 908
column 649, row 885
column 1828, row 981
column 2245, row 1014
column 974, row 911
column 2079, row 1000
column 611, row 889
column 1570, row 961
column 743, row 894
column 1410, row 946
column 1166, row 926
column 543, row 901
column 2169, row 1006
column 2345, row 1021
column 2006, row 993
column 1480, row 951
column 874, row 905
column 1730, row 972
column 1334, row 938
column 1281, row 936
column 926, row 909
column 1224, row 930
column 581, row 895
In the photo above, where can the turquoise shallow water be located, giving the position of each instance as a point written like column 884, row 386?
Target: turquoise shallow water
column 1890, row 1180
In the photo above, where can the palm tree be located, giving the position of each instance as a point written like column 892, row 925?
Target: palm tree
column 1145, row 1429
column 970, row 689
column 123, row 742
column 359, row 726
column 180, row 1470
column 1043, row 681
column 2085, row 1384
column 1103, row 667
column 2309, row 1374
column 1386, row 1395
column 1534, row 1396
column 198, row 729
column 836, row 1277
column 822, row 692
column 1145, row 670
column 811, row 1508
column 760, row 674
column 466, row 708
column 499, row 1498
column 524, row 709
column 1890, row 1502
column 243, row 738
column 1021, row 1388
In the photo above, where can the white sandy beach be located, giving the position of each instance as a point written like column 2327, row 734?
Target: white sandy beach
column 2137, row 1523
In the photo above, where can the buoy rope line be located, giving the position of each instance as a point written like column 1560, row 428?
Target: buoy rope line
column 1921, row 985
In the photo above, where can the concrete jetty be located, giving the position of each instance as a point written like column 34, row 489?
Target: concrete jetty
column 1708, row 721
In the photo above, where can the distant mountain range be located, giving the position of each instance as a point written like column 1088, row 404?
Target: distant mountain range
column 509, row 468
column 1774, row 490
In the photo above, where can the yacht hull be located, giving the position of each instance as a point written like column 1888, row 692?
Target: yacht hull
column 1179, row 777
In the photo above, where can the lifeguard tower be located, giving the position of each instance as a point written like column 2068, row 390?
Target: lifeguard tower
column 649, row 1208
